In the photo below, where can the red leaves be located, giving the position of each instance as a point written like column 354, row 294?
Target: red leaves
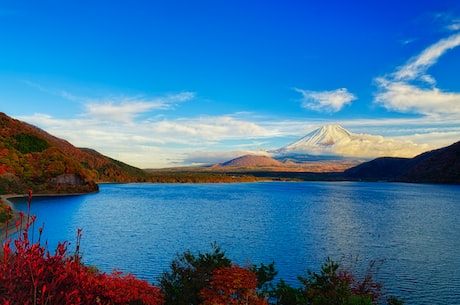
column 3, row 167
column 30, row 274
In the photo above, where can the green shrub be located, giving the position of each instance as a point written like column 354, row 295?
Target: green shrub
column 189, row 274
column 333, row 285
column 28, row 143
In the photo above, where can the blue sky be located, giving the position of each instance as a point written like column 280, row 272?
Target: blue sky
column 167, row 83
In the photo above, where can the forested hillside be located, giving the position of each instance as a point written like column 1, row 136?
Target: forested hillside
column 30, row 158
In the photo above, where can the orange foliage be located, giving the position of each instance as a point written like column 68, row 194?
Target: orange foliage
column 232, row 285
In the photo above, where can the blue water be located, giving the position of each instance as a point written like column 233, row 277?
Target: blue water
column 139, row 228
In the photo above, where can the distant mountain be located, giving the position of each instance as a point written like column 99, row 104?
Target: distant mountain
column 257, row 163
column 334, row 140
column 30, row 158
column 249, row 161
column 436, row 166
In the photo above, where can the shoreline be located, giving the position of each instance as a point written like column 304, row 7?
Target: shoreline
column 12, row 229
column 11, row 196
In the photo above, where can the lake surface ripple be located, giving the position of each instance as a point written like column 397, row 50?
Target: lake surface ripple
column 139, row 228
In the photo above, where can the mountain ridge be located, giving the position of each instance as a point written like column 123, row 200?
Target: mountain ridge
column 251, row 161
column 436, row 166
column 290, row 164
column 31, row 158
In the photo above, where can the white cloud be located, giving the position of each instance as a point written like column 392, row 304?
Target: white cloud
column 417, row 66
column 209, row 129
column 411, row 90
column 118, row 112
column 372, row 146
column 326, row 101
column 403, row 97
column 126, row 109
column 421, row 133
column 455, row 26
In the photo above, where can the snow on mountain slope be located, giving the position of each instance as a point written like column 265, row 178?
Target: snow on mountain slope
column 334, row 140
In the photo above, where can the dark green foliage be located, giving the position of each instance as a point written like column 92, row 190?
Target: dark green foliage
column 330, row 287
column 394, row 301
column 288, row 295
column 336, row 286
column 265, row 276
column 190, row 274
column 28, row 143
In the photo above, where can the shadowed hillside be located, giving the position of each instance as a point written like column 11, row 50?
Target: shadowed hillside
column 436, row 166
column 30, row 158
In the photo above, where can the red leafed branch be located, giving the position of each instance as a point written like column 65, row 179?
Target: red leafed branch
column 30, row 274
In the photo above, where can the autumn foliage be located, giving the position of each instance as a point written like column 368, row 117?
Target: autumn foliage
column 30, row 274
column 232, row 285
column 30, row 158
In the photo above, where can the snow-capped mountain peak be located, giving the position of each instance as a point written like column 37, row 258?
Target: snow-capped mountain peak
column 318, row 141
column 334, row 140
column 326, row 135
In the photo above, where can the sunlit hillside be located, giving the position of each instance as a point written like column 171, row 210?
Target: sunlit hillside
column 30, row 158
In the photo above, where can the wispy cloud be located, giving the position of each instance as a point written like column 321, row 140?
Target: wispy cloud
column 326, row 101
column 117, row 108
column 411, row 89
column 416, row 67
column 55, row 92
column 408, row 41
column 454, row 26
column 125, row 109
column 447, row 21
column 209, row 129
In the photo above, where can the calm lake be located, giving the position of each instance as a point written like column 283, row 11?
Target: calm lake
column 139, row 228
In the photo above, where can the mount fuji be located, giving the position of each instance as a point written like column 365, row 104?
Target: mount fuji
column 334, row 140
